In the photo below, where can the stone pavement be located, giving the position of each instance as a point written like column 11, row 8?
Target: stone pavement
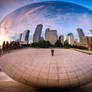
column 13, row 86
column 9, row 85
column 36, row 67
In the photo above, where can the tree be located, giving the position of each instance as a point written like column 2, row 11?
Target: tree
column 7, row 46
column 41, row 44
column 58, row 44
column 66, row 45
column 3, row 46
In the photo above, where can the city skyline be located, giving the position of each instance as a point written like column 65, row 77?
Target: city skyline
column 37, row 33
column 52, row 37
column 64, row 17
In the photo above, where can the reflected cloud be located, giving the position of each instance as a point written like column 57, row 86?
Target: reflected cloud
column 53, row 17
column 30, row 12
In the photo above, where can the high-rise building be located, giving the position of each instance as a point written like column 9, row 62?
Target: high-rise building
column 24, row 37
column 51, row 36
column 61, row 39
column 91, row 31
column 89, row 38
column 85, row 40
column 70, row 38
column 75, row 41
column 20, row 37
column 37, row 33
column 81, row 35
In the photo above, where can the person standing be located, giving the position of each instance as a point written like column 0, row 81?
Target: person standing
column 52, row 52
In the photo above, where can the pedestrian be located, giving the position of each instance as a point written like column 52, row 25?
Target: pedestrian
column 52, row 52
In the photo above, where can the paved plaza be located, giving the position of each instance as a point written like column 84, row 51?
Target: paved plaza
column 30, row 66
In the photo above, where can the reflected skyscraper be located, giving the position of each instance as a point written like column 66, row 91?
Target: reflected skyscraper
column 51, row 36
column 61, row 39
column 89, row 38
column 20, row 37
column 75, row 41
column 82, row 37
column 25, row 35
column 81, row 34
column 91, row 31
column 37, row 33
column 70, row 38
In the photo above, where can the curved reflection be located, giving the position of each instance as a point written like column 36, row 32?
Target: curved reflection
column 63, row 17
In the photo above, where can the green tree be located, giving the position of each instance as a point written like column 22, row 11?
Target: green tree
column 41, row 44
column 66, row 45
column 58, row 44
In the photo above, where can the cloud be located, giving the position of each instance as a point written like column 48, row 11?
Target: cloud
column 30, row 12
column 84, row 20
column 8, row 6
column 14, row 24
column 58, row 23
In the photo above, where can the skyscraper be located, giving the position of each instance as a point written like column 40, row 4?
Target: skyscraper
column 24, row 36
column 20, row 37
column 61, row 39
column 37, row 33
column 51, row 36
column 91, row 31
column 70, row 38
column 81, row 35
column 89, row 42
column 75, row 41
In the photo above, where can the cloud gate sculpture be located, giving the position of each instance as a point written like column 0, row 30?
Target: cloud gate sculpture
column 36, row 67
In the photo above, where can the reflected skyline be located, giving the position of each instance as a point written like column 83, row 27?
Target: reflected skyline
column 63, row 19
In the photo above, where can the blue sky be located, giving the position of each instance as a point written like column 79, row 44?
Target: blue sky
column 7, row 6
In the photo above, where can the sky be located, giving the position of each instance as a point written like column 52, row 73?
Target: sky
column 8, row 6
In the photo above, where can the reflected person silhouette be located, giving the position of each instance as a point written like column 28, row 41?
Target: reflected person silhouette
column 52, row 52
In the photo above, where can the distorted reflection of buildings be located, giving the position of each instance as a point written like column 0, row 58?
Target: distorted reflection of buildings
column 37, row 33
column 82, row 37
column 24, row 37
column 20, row 36
column 61, row 39
column 75, row 41
column 70, row 38
column 91, row 31
column 51, row 36
column 85, row 41
column 89, row 42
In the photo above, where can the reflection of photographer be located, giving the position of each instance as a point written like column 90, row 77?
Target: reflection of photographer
column 52, row 52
